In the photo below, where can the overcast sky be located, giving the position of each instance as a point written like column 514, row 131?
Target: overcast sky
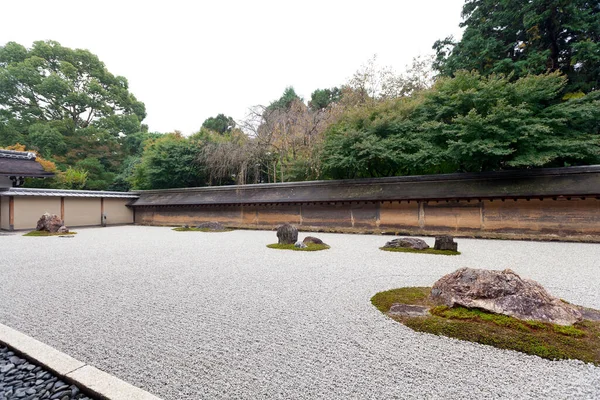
column 190, row 60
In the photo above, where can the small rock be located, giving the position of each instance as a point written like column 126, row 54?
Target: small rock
column 63, row 229
column 185, row 226
column 30, row 391
column 5, row 368
column 300, row 245
column 16, row 360
column 60, row 394
column 445, row 242
column 407, row 310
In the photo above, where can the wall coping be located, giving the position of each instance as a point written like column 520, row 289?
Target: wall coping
column 31, row 192
column 581, row 181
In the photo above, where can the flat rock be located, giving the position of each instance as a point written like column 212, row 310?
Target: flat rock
column 211, row 226
column 312, row 239
column 408, row 243
column 502, row 292
column 407, row 310
column 589, row 314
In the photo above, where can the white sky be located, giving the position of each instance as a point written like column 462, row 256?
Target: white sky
column 190, row 60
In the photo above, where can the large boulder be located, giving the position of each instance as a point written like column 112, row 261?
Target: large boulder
column 502, row 292
column 409, row 243
column 49, row 222
column 287, row 234
column 445, row 242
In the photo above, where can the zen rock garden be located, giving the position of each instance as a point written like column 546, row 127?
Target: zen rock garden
column 235, row 319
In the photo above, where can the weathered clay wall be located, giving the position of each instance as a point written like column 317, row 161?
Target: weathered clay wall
column 117, row 212
column 562, row 219
column 29, row 209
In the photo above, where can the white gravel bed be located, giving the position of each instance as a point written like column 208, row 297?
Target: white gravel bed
column 194, row 315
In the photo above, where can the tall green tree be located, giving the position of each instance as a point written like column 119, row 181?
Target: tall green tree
column 220, row 124
column 50, row 82
column 469, row 123
column 286, row 100
column 170, row 161
column 522, row 37
column 322, row 98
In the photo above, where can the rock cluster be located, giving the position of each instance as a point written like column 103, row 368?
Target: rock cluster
column 51, row 223
column 287, row 234
column 409, row 243
column 211, row 226
column 502, row 292
column 20, row 379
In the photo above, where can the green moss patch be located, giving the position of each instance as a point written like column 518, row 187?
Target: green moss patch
column 46, row 233
column 426, row 251
column 580, row 341
column 180, row 229
column 309, row 247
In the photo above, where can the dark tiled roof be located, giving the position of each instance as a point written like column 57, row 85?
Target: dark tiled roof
column 551, row 182
column 20, row 163
column 66, row 193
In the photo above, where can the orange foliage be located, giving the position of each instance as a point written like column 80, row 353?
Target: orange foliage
column 48, row 166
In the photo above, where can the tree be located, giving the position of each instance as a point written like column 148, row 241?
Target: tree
column 47, row 140
column 469, row 123
column 50, row 82
column 288, row 97
column 220, row 124
column 522, row 37
column 73, row 178
column 97, row 177
column 322, row 98
column 170, row 161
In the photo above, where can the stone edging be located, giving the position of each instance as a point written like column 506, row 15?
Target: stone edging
column 98, row 383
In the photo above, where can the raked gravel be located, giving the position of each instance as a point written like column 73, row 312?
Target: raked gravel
column 194, row 315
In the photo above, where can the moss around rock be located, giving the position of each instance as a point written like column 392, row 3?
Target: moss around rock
column 309, row 247
column 46, row 233
column 579, row 341
column 425, row 251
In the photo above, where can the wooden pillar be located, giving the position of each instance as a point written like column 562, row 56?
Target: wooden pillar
column 11, row 213
column 102, row 220
column 62, row 209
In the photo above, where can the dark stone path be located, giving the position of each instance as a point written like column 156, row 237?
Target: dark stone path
column 20, row 379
